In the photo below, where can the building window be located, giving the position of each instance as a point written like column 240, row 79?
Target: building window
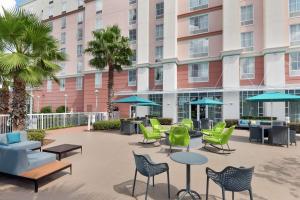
column 295, row 64
column 198, row 4
column 80, row 17
column 248, row 108
column 295, row 34
column 199, row 48
column 246, row 15
column 63, row 50
column 292, row 109
column 64, row 6
column 159, row 10
column 98, row 80
column 247, row 41
column 80, row 3
column 79, row 34
column 62, row 84
column 132, row 2
column 247, row 68
column 99, row 5
column 50, row 9
column 159, row 32
column 133, row 58
column 199, row 24
column 79, row 66
column 79, row 83
column 199, row 72
column 158, row 76
column 132, row 35
column 79, row 50
column 132, row 16
column 63, row 67
column 49, row 85
column 63, row 38
column 159, row 53
column 156, row 110
column 132, row 77
column 294, row 8
column 63, row 22
column 99, row 24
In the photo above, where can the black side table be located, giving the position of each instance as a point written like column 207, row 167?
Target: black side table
column 189, row 159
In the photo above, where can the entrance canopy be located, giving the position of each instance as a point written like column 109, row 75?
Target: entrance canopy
column 206, row 102
column 274, row 97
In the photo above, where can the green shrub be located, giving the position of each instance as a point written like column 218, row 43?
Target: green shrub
column 46, row 109
column 107, row 125
column 165, row 121
column 231, row 122
column 36, row 135
column 295, row 126
column 61, row 109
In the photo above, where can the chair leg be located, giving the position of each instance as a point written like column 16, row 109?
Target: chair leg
column 168, row 177
column 223, row 193
column 153, row 181
column 232, row 195
column 228, row 147
column 250, row 193
column 134, row 182
column 147, row 187
column 207, row 187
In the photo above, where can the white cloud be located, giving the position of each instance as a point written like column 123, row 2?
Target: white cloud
column 7, row 4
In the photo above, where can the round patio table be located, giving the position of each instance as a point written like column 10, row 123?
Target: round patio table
column 188, row 158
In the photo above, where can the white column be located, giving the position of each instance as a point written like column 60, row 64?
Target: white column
column 170, row 106
column 231, row 72
column 170, row 29
column 231, row 107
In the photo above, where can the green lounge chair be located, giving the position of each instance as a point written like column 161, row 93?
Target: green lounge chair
column 217, row 129
column 156, row 126
column 149, row 135
column 179, row 136
column 221, row 139
column 187, row 123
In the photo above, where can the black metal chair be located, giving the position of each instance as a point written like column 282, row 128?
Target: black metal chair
column 255, row 133
column 127, row 127
column 205, row 124
column 279, row 135
column 146, row 167
column 231, row 179
column 293, row 137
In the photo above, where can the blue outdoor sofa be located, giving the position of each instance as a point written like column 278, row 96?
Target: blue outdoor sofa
column 20, row 160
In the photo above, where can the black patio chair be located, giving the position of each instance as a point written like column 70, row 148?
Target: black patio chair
column 146, row 167
column 255, row 133
column 205, row 124
column 231, row 179
column 279, row 135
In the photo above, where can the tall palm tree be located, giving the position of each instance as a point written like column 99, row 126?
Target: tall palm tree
column 29, row 56
column 4, row 93
column 109, row 48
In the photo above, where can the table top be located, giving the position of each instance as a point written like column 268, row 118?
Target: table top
column 62, row 148
column 189, row 158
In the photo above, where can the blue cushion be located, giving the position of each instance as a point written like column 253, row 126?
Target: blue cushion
column 14, row 137
column 3, row 139
column 26, row 145
column 37, row 159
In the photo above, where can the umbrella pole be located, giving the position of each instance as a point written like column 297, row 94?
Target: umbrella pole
column 206, row 111
column 198, row 113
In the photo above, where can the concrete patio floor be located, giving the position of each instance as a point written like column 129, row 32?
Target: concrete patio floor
column 105, row 170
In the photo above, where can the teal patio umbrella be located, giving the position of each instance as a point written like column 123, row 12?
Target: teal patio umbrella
column 274, row 97
column 205, row 102
column 147, row 104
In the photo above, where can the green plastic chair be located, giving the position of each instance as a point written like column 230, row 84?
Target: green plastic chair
column 156, row 126
column 187, row 123
column 149, row 135
column 217, row 129
column 179, row 136
column 221, row 139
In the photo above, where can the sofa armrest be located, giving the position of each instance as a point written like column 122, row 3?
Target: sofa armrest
column 13, row 161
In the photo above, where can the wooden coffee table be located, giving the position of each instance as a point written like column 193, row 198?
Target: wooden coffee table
column 62, row 149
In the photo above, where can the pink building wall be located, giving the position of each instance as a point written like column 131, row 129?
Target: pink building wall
column 259, row 73
column 183, row 5
column 152, row 85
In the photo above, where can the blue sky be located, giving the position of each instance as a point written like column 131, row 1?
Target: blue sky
column 19, row 1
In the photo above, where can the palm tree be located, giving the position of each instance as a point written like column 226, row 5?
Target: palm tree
column 29, row 57
column 4, row 93
column 109, row 48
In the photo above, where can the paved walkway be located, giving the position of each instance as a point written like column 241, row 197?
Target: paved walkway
column 105, row 170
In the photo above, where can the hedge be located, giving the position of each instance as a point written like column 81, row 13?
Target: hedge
column 107, row 125
column 258, row 118
column 62, row 109
column 165, row 121
column 46, row 109
column 231, row 122
column 36, row 135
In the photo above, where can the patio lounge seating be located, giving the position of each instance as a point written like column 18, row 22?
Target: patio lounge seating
column 217, row 129
column 179, row 136
column 29, row 165
column 279, row 135
column 149, row 135
column 188, row 123
column 255, row 133
column 156, row 126
column 23, row 143
column 197, row 125
column 221, row 140
column 293, row 137
column 127, row 127
column 205, row 124
column 146, row 167
column 231, row 179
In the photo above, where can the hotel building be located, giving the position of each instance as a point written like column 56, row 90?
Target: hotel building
column 184, row 50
